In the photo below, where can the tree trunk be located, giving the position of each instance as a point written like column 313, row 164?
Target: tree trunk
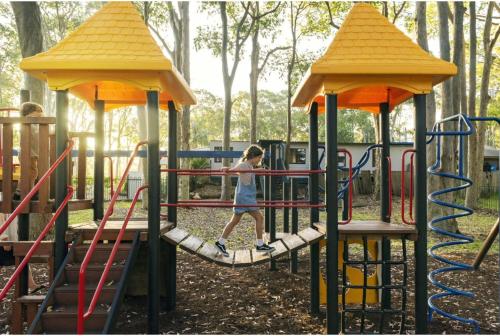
column 484, row 99
column 448, row 151
column 430, row 109
column 143, row 136
column 291, row 68
column 471, row 195
column 29, row 30
column 186, row 111
column 254, row 77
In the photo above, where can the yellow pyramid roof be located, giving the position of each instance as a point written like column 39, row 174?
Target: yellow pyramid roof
column 113, row 56
column 370, row 61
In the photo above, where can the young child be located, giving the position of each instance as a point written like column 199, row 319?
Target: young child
column 246, row 193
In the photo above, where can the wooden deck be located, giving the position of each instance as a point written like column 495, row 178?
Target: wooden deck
column 87, row 230
column 241, row 258
column 372, row 229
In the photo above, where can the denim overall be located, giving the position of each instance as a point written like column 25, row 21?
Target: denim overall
column 245, row 194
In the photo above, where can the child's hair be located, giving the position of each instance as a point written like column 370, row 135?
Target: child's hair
column 28, row 108
column 251, row 152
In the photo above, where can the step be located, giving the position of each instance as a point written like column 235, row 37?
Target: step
column 68, row 294
column 101, row 253
column 63, row 320
column 93, row 273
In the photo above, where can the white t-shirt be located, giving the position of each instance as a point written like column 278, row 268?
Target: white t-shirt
column 245, row 178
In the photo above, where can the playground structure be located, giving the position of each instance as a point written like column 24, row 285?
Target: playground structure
column 390, row 70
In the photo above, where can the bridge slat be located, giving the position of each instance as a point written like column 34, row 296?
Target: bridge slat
column 242, row 258
column 210, row 253
column 280, row 249
column 310, row 235
column 175, row 236
column 294, row 242
column 191, row 244
column 259, row 257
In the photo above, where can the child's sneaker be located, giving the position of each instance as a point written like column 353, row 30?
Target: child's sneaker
column 265, row 248
column 222, row 249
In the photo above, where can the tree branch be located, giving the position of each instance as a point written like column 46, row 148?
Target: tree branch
column 331, row 16
column 162, row 40
column 398, row 12
column 268, row 55
column 495, row 38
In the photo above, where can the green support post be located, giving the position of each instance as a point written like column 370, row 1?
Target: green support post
column 295, row 225
column 314, row 212
column 332, row 308
column 61, row 175
column 420, row 215
column 272, row 211
column 384, row 198
column 153, row 212
column 172, row 211
column 99, row 161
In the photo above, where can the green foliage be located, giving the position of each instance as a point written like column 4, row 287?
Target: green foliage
column 10, row 56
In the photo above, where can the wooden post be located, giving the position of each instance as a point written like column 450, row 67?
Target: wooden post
column 7, row 138
column 99, row 160
column 486, row 246
column 61, row 175
column 82, row 166
column 272, row 211
column 153, row 212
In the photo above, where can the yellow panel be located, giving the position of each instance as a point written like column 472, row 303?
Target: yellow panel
column 368, row 50
column 16, row 174
column 355, row 276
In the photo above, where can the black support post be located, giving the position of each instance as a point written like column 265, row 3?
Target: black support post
column 153, row 212
column 420, row 216
column 267, row 192
column 172, row 211
column 314, row 199
column 332, row 316
column 286, row 210
column 384, row 199
column 23, row 227
column 295, row 224
column 61, row 175
column 272, row 211
column 99, row 161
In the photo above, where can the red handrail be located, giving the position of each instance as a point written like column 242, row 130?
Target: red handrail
column 110, row 173
column 403, row 186
column 81, row 280
column 36, row 244
column 389, row 168
column 351, row 193
column 220, row 172
column 226, row 205
column 36, row 187
column 109, row 263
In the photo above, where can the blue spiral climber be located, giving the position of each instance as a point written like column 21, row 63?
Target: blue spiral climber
column 462, row 182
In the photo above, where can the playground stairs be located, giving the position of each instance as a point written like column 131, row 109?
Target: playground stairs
column 58, row 312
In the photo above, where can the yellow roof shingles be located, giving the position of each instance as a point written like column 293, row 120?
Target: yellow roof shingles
column 370, row 61
column 114, row 45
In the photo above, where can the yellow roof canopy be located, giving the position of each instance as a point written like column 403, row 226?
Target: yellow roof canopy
column 111, row 57
column 370, row 62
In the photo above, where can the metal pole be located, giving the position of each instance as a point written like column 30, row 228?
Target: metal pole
column 384, row 199
column 153, row 212
column 272, row 211
column 314, row 212
column 23, row 228
column 267, row 192
column 61, row 175
column 420, row 216
column 295, row 225
column 286, row 211
column 332, row 316
column 172, row 199
column 99, row 161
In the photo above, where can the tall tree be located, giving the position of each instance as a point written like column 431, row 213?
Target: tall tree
column 447, row 144
column 29, row 29
column 421, row 18
column 263, row 22
column 489, row 43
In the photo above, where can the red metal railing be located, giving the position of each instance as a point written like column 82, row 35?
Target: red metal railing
column 351, row 193
column 221, row 172
column 49, row 225
column 36, row 244
column 389, row 168
column 81, row 280
column 36, row 187
column 403, row 186
column 258, row 205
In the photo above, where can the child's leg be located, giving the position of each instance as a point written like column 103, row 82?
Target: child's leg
column 230, row 225
column 259, row 224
